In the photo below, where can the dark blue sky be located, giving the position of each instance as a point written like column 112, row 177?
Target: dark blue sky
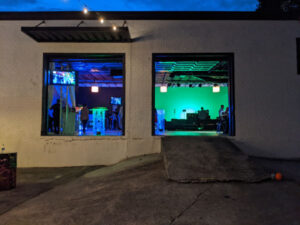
column 128, row 5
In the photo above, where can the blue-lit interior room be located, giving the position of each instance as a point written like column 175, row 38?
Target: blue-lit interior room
column 85, row 95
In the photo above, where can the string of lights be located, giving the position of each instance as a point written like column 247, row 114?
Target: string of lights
column 101, row 19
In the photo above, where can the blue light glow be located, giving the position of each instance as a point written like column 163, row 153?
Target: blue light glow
column 160, row 122
column 115, row 101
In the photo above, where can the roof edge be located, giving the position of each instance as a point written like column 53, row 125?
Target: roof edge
column 148, row 15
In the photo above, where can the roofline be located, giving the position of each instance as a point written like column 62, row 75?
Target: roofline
column 148, row 15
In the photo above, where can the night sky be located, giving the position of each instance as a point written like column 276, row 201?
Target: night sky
column 128, row 5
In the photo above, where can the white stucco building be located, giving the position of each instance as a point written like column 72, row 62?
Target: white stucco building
column 266, row 82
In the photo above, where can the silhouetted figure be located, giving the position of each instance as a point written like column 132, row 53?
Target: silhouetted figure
column 120, row 117
column 114, row 120
column 56, row 116
column 114, row 117
column 221, row 112
column 50, row 123
column 226, row 120
column 221, row 120
column 203, row 116
column 84, row 117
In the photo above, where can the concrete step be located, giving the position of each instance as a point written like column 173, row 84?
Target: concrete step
column 208, row 159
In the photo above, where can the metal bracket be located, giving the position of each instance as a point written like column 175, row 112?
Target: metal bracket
column 81, row 22
column 40, row 23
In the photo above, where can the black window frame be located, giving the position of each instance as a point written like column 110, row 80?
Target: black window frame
column 46, row 58
column 231, row 86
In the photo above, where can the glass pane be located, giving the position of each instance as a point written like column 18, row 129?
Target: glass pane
column 191, row 95
column 85, row 96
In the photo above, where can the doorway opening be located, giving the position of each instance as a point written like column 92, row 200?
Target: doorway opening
column 193, row 95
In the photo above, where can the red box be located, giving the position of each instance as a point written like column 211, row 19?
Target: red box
column 8, row 169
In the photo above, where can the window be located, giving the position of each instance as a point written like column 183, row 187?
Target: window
column 193, row 94
column 83, row 95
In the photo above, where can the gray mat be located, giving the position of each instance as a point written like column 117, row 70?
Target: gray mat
column 208, row 159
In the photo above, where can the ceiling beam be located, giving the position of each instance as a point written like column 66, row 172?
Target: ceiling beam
column 199, row 73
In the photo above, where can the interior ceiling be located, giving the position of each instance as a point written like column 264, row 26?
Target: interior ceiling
column 191, row 72
column 94, row 71
column 109, row 72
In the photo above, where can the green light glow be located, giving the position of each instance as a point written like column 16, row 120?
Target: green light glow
column 191, row 133
column 185, row 66
column 190, row 99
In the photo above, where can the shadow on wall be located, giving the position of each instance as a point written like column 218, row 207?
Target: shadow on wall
column 146, row 37
column 251, row 148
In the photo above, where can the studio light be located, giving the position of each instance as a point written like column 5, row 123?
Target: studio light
column 114, row 27
column 216, row 88
column 163, row 88
column 94, row 89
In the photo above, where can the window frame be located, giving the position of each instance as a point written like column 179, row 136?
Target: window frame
column 231, row 85
column 46, row 58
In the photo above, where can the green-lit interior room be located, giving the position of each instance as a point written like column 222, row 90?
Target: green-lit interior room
column 191, row 96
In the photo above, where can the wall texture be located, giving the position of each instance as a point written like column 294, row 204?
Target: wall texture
column 267, row 92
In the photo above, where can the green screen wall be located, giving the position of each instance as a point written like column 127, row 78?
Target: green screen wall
column 191, row 99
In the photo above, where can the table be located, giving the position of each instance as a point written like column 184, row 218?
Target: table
column 99, row 120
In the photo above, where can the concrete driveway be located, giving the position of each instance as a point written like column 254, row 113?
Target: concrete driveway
column 136, row 192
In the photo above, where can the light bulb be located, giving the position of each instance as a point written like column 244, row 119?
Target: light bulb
column 101, row 20
column 85, row 10
column 94, row 89
column 114, row 27
column 163, row 88
column 216, row 89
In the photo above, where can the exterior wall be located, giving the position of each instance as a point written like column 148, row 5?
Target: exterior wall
column 267, row 92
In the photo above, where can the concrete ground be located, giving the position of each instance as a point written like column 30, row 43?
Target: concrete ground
column 136, row 192
column 208, row 159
